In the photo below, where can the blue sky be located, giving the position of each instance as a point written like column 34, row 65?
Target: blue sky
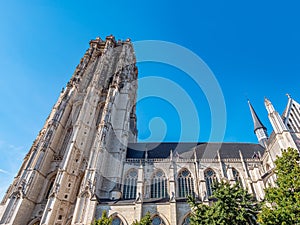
column 252, row 47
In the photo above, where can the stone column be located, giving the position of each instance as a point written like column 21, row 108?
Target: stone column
column 248, row 180
column 139, row 194
column 258, row 184
column 173, row 211
column 202, row 185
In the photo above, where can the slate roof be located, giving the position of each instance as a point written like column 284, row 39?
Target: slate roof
column 256, row 121
column 186, row 150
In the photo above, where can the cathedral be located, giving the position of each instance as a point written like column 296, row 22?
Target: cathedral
column 86, row 160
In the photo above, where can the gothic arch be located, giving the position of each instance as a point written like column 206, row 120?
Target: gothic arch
column 183, row 220
column 35, row 221
column 210, row 177
column 185, row 183
column 122, row 218
column 69, row 221
column 162, row 217
column 159, row 184
column 237, row 176
column 185, row 168
column 66, row 140
column 130, row 184
column 51, row 180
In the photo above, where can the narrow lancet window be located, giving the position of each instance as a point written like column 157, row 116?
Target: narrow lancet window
column 185, row 184
column 130, row 183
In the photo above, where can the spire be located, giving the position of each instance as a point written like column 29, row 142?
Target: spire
column 269, row 106
column 257, row 123
column 259, row 129
column 171, row 155
column 276, row 120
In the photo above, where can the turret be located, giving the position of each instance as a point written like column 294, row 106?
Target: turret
column 275, row 118
column 259, row 129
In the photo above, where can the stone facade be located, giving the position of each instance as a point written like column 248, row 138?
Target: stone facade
column 86, row 160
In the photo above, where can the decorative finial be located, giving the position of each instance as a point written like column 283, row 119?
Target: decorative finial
column 146, row 154
column 267, row 100
column 288, row 95
column 171, row 155
column 246, row 96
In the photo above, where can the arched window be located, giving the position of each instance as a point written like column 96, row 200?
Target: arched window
column 186, row 220
column 159, row 185
column 156, row 220
column 50, row 186
column 34, row 222
column 130, row 182
column 66, row 141
column 236, row 176
column 210, row 178
column 185, row 183
column 117, row 221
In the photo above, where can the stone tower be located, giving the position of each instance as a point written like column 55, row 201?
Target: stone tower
column 86, row 133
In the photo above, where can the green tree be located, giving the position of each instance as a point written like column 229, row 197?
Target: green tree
column 282, row 202
column 104, row 220
column 146, row 220
column 231, row 205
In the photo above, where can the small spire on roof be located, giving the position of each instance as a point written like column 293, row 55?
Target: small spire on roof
column 171, row 155
column 257, row 123
column 146, row 153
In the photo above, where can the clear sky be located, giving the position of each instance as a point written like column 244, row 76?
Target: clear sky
column 252, row 48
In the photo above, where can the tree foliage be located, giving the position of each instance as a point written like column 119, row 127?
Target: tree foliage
column 232, row 205
column 146, row 220
column 282, row 202
column 104, row 220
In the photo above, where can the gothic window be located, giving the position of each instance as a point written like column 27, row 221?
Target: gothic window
column 156, row 220
column 10, row 209
column 34, row 222
column 50, row 187
column 47, row 138
column 159, row 185
column 236, row 176
column 210, row 178
column 116, row 221
column 130, row 183
column 66, row 141
column 186, row 220
column 185, row 183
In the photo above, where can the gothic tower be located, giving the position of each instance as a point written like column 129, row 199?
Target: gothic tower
column 285, row 131
column 259, row 129
column 89, row 127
